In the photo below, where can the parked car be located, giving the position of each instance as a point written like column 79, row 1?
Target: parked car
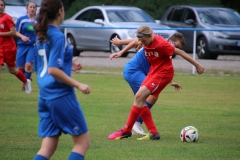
column 209, row 44
column 92, row 36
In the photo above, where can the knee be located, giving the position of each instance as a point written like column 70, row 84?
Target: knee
column 28, row 67
column 13, row 71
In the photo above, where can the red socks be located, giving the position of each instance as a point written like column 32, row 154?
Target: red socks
column 21, row 76
column 147, row 119
column 134, row 113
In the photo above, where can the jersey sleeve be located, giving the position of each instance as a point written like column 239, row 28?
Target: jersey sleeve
column 56, row 57
column 10, row 22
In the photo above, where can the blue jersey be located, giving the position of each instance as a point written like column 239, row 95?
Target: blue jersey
column 24, row 25
column 54, row 52
column 138, row 62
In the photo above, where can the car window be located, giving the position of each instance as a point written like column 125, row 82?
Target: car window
column 84, row 16
column 218, row 16
column 189, row 14
column 176, row 14
column 128, row 16
column 95, row 14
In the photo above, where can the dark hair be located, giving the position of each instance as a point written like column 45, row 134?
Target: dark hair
column 48, row 12
column 178, row 37
column 3, row 2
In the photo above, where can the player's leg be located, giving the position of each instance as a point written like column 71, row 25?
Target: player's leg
column 47, row 130
column 135, row 80
column 74, row 125
column 20, row 61
column 29, row 62
column 48, row 147
column 10, row 58
column 81, row 144
column 160, row 83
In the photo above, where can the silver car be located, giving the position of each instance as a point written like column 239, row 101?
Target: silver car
column 99, row 24
column 209, row 44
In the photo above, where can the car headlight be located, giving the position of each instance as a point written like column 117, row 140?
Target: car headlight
column 132, row 34
column 220, row 34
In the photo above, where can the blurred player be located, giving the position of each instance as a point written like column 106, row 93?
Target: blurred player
column 8, row 47
column 58, row 108
column 27, row 39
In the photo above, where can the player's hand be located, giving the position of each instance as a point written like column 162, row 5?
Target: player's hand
column 84, row 88
column 199, row 69
column 75, row 65
column 115, row 55
column 25, row 39
column 115, row 40
column 176, row 86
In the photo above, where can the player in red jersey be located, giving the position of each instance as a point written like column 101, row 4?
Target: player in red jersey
column 8, row 47
column 158, row 52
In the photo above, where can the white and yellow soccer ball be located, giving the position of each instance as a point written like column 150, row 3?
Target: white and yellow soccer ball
column 189, row 134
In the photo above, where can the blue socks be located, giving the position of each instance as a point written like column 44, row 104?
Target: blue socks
column 39, row 157
column 75, row 156
column 139, row 118
column 27, row 74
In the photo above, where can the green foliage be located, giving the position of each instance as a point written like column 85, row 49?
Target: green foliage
column 155, row 8
column 210, row 103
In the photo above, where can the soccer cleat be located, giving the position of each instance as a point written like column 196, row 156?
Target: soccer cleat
column 119, row 135
column 150, row 136
column 134, row 133
column 28, row 87
column 23, row 87
column 138, row 129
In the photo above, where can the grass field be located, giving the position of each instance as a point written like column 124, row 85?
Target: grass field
column 210, row 103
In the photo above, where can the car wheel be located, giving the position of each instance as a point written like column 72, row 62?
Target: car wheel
column 72, row 43
column 201, row 48
column 115, row 48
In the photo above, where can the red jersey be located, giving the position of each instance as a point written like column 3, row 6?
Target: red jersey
column 159, row 54
column 7, row 43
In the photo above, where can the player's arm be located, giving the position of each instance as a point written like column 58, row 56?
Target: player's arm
column 24, row 38
column 176, row 86
column 64, row 78
column 132, row 44
column 117, row 41
column 183, row 54
column 12, row 32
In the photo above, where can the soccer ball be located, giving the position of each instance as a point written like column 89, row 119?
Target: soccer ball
column 189, row 134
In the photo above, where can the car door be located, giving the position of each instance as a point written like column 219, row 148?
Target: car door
column 188, row 21
column 88, row 34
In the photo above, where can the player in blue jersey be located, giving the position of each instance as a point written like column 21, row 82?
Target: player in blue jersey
column 58, row 108
column 136, row 70
column 27, row 38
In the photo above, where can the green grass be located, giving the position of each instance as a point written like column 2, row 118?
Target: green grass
column 210, row 103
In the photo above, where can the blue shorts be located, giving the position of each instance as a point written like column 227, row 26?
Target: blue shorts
column 25, row 53
column 61, row 115
column 134, row 79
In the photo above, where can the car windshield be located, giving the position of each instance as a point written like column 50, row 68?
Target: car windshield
column 219, row 16
column 128, row 16
column 21, row 2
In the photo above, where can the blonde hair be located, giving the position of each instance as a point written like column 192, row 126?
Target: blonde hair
column 145, row 30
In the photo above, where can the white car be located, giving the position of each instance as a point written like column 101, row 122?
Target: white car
column 99, row 24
